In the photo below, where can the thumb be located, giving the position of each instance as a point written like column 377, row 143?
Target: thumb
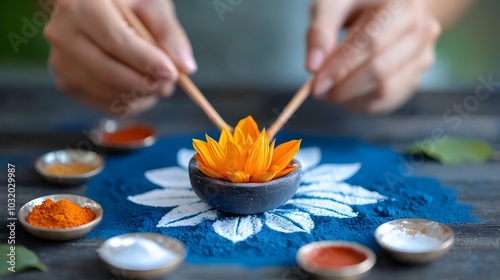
column 327, row 18
column 160, row 19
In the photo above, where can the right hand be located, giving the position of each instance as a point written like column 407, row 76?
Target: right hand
column 100, row 60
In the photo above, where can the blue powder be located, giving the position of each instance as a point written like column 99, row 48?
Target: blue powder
column 382, row 171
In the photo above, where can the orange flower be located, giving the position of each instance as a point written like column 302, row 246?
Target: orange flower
column 245, row 156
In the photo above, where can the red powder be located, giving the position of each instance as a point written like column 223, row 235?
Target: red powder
column 335, row 256
column 128, row 135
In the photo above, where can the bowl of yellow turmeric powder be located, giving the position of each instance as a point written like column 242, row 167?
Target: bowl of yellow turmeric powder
column 60, row 216
column 69, row 167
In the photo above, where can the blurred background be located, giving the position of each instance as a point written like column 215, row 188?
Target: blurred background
column 253, row 55
column 259, row 44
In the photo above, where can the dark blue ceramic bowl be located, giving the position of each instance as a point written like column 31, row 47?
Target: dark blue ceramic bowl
column 244, row 198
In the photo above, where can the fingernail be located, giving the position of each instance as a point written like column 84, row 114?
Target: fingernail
column 190, row 65
column 188, row 62
column 315, row 59
column 323, row 86
column 164, row 72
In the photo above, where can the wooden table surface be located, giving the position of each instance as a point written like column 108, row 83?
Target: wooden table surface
column 34, row 120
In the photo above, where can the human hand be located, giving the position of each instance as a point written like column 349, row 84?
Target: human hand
column 97, row 58
column 378, row 66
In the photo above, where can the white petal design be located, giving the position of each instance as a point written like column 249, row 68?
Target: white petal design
column 331, row 172
column 341, row 192
column 185, row 212
column 238, row 229
column 324, row 207
column 184, row 156
column 308, row 157
column 169, row 177
column 289, row 221
column 207, row 215
column 165, row 197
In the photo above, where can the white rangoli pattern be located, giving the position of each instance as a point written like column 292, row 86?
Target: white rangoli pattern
column 322, row 192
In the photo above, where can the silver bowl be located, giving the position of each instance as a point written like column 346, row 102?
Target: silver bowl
column 112, row 126
column 171, row 244
column 66, row 157
column 351, row 272
column 415, row 251
column 64, row 233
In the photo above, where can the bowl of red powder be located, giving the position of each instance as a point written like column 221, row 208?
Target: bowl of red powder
column 336, row 259
column 60, row 216
column 121, row 136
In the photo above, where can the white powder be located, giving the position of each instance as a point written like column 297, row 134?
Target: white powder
column 136, row 253
column 410, row 242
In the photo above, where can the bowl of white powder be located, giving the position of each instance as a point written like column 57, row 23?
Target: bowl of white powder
column 142, row 255
column 414, row 240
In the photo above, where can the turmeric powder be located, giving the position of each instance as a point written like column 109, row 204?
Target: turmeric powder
column 68, row 169
column 60, row 214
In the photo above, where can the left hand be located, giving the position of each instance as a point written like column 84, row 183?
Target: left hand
column 378, row 66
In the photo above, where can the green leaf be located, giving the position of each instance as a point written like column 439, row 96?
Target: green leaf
column 452, row 150
column 17, row 260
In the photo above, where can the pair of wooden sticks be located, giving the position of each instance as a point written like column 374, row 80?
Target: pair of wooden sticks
column 195, row 94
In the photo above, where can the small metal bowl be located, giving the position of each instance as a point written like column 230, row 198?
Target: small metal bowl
column 108, row 126
column 64, row 233
column 244, row 198
column 67, row 157
column 171, row 244
column 351, row 272
column 416, row 248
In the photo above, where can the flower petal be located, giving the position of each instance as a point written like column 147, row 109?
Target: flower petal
column 263, row 177
column 323, row 207
column 284, row 153
column 238, row 228
column 258, row 157
column 225, row 137
column 187, row 211
column 285, row 171
column 238, row 136
column 289, row 221
column 165, row 197
column 235, row 158
column 249, row 127
column 308, row 157
column 169, row 177
column 184, row 156
column 331, row 172
column 211, row 173
column 205, row 154
column 239, row 177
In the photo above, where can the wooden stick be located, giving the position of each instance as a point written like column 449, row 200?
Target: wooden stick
column 290, row 109
column 184, row 81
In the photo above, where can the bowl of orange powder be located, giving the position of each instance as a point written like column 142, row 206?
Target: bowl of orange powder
column 118, row 136
column 60, row 216
column 70, row 166
column 336, row 260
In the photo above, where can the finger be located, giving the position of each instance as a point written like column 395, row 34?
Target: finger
column 398, row 88
column 109, row 30
column 327, row 18
column 373, row 31
column 106, row 69
column 377, row 69
column 160, row 19
column 85, row 86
